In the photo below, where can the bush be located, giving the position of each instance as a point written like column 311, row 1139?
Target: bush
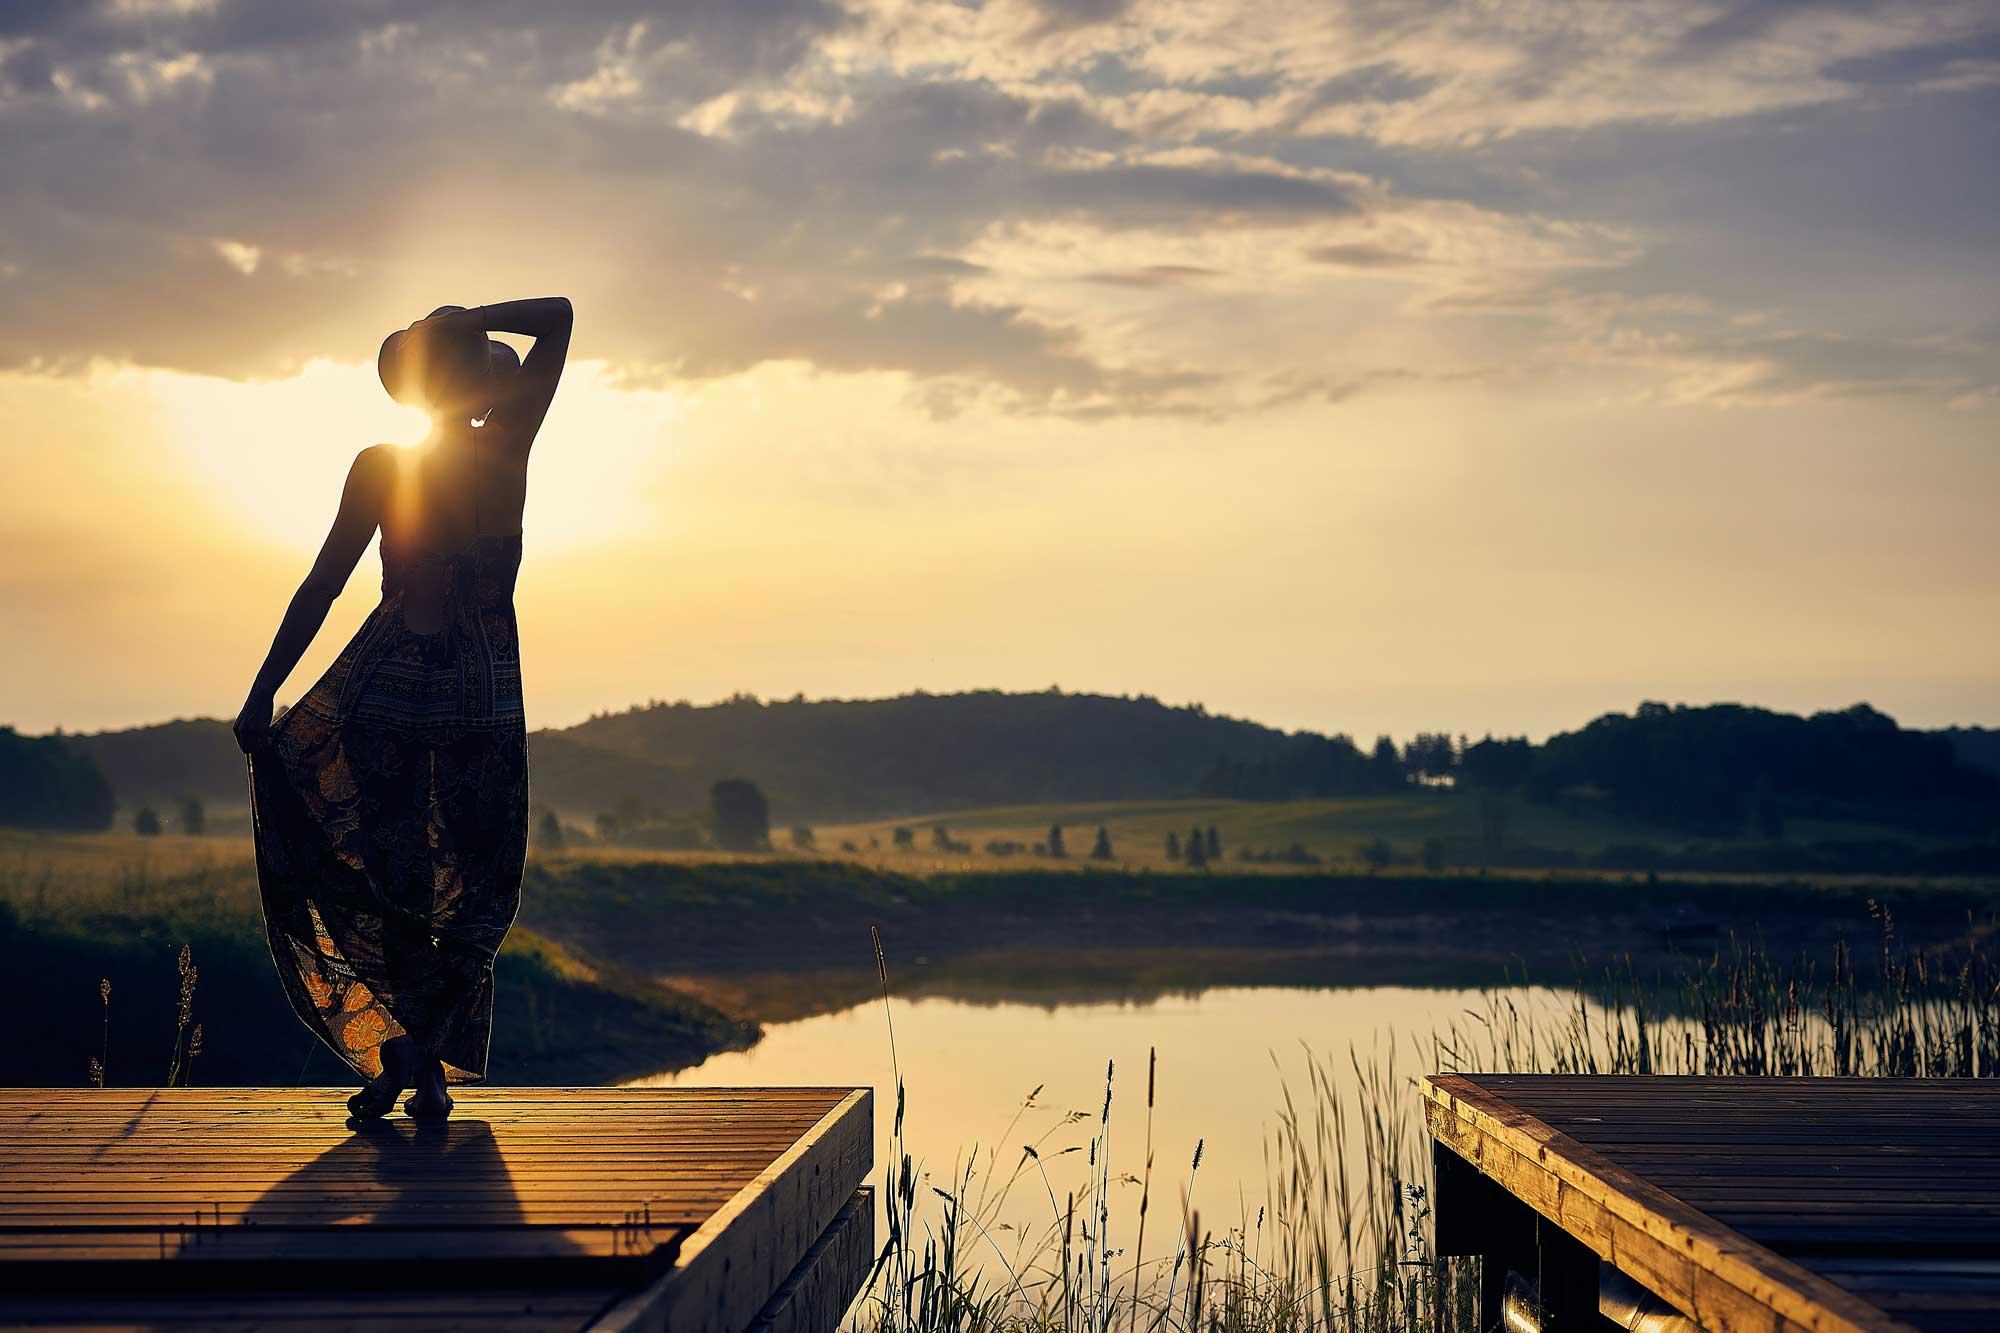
column 741, row 814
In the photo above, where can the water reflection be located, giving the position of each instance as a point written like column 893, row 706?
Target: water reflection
column 1225, row 1055
column 1075, row 976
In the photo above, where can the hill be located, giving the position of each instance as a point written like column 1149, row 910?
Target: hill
column 1976, row 746
column 816, row 760
column 1717, row 772
column 160, row 764
column 832, row 759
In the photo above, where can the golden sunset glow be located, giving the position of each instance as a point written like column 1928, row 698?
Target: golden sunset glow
column 1319, row 369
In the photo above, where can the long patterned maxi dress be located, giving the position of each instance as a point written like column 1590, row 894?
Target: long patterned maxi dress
column 391, row 816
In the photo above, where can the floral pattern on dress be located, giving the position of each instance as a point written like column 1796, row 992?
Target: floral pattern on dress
column 391, row 818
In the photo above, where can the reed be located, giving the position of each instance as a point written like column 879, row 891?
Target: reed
column 1343, row 1241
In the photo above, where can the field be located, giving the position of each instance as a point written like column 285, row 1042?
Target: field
column 1335, row 830
column 1332, row 833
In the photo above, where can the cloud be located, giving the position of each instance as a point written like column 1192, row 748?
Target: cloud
column 1743, row 21
column 1035, row 206
column 1152, row 275
column 1949, row 65
column 243, row 258
column 1363, row 255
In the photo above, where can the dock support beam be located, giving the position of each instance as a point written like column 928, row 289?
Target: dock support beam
column 1474, row 1215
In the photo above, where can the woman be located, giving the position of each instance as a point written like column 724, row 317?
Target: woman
column 391, row 803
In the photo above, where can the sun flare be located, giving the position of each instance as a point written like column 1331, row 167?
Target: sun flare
column 276, row 451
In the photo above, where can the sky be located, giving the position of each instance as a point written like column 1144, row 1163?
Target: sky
column 1367, row 367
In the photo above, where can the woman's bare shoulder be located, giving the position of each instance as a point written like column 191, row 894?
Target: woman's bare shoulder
column 376, row 468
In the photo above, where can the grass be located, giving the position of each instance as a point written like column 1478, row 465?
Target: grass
column 1333, row 829
column 77, row 912
column 1342, row 1242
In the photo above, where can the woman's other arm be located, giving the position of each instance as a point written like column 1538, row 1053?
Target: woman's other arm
column 546, row 319
column 361, row 503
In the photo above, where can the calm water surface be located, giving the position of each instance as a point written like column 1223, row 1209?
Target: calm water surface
column 1224, row 1057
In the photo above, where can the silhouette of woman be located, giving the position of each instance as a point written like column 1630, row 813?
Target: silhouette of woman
column 391, row 803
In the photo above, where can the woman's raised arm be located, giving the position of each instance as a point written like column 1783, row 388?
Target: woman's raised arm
column 546, row 319
column 361, row 504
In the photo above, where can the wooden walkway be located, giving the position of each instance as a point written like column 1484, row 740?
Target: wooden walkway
column 622, row 1208
column 1747, row 1203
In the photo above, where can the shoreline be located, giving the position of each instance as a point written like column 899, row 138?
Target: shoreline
column 628, row 966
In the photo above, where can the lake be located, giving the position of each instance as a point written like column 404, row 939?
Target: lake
column 995, row 1076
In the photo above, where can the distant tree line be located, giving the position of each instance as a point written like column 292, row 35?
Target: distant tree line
column 49, row 782
column 1722, row 768
column 1312, row 765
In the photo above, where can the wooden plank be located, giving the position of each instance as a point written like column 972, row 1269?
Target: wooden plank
column 596, row 1193
column 1716, row 1275
column 829, row 1275
column 404, row 1312
column 1820, row 1171
column 723, row 1271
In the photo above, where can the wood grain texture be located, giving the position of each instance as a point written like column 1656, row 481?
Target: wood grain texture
column 531, row 1208
column 755, row 1240
column 828, row 1277
column 1756, row 1203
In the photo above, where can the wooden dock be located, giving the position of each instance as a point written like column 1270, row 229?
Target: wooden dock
column 543, row 1208
column 1783, row 1204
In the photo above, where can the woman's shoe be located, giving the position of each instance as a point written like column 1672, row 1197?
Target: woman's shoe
column 378, row 1097
column 431, row 1101
column 372, row 1102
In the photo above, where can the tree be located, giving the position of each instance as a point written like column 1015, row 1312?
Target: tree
column 741, row 816
column 607, row 826
column 1101, row 849
column 1385, row 766
column 194, row 818
column 904, row 839
column 1430, row 757
column 1377, row 853
column 802, row 838
column 1494, row 765
column 549, row 833
column 1214, row 848
column 1173, row 845
column 1434, row 854
column 147, row 822
column 940, row 838
column 1056, row 848
column 52, row 782
column 1197, row 855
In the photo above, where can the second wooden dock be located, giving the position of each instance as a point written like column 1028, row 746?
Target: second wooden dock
column 1837, row 1205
